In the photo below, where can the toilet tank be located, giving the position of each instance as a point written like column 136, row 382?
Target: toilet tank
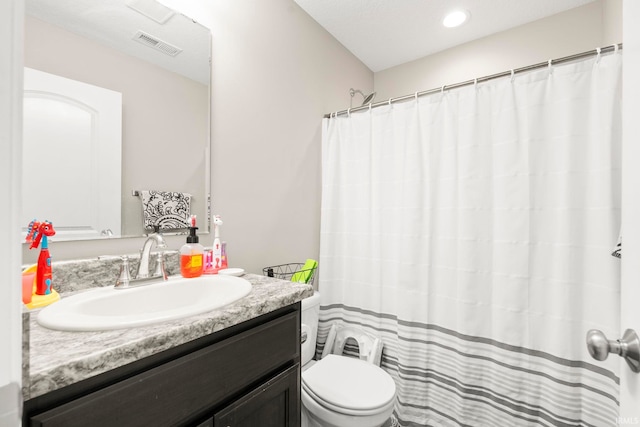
column 309, row 329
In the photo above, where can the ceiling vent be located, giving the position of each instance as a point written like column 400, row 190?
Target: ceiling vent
column 156, row 43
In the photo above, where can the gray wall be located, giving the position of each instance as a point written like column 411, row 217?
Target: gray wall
column 596, row 24
column 275, row 73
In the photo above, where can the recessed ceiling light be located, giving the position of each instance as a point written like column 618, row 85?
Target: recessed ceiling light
column 455, row 18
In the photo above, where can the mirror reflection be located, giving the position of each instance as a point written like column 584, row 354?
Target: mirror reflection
column 153, row 66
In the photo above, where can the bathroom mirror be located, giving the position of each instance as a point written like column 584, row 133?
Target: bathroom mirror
column 158, row 61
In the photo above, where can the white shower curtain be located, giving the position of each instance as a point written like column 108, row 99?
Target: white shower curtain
column 472, row 230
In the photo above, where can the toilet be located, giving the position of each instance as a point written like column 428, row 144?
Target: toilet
column 341, row 391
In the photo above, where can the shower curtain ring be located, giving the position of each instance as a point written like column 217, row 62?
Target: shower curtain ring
column 615, row 48
column 598, row 55
column 550, row 66
column 349, row 113
column 512, row 75
column 475, row 83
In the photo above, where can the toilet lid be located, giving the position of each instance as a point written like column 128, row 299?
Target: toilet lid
column 348, row 383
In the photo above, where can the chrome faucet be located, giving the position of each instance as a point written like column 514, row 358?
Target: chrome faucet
column 142, row 276
column 143, row 267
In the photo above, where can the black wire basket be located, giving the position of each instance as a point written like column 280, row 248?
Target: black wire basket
column 293, row 272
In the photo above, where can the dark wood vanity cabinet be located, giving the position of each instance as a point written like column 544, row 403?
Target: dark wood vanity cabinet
column 245, row 375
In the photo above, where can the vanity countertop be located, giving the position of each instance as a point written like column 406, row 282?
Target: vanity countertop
column 57, row 359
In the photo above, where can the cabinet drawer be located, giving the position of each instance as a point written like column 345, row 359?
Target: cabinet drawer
column 176, row 391
column 272, row 404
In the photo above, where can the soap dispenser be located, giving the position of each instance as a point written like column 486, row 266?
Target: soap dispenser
column 191, row 253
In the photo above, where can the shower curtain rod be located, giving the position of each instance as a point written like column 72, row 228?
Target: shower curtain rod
column 551, row 62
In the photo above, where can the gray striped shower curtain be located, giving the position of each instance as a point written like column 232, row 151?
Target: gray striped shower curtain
column 472, row 230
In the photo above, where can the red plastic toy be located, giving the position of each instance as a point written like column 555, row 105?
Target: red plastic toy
column 37, row 236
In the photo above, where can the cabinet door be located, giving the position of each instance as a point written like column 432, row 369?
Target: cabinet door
column 275, row 403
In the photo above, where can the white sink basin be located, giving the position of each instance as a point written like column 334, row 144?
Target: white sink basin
column 109, row 308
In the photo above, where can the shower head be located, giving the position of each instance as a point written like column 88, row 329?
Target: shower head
column 367, row 98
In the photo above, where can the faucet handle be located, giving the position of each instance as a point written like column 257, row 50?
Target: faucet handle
column 160, row 270
column 124, row 278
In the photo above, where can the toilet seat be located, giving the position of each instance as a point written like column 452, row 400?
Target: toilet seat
column 349, row 386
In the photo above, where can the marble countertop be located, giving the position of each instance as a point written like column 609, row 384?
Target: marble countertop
column 55, row 359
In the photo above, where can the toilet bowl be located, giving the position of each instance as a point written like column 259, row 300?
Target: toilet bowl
column 341, row 391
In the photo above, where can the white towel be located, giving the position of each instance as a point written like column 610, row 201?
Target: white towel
column 165, row 209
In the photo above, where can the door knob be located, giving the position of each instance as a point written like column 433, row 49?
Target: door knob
column 628, row 347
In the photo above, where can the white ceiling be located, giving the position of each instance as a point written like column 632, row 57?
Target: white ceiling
column 115, row 22
column 386, row 33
